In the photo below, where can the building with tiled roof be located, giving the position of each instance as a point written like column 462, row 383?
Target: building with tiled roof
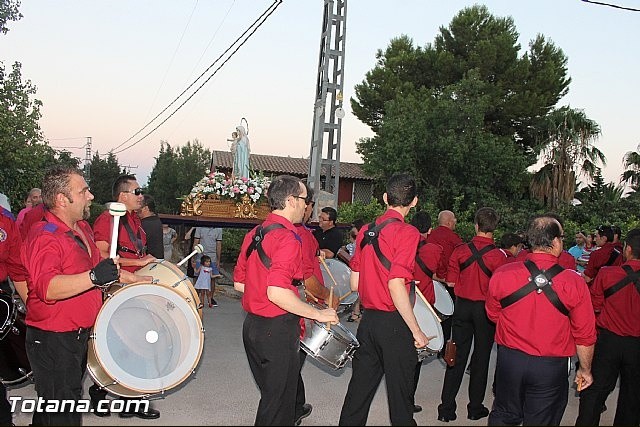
column 355, row 185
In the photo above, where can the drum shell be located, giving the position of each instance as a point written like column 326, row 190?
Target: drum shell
column 333, row 347
column 342, row 275
column 168, row 274
column 124, row 360
column 429, row 324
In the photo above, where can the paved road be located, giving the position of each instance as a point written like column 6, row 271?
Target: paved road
column 222, row 391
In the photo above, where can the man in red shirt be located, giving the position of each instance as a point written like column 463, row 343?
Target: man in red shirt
column 10, row 267
column 265, row 273
column 132, row 250
column 64, row 269
column 445, row 236
column 382, row 273
column 313, row 285
column 543, row 316
column 615, row 295
column 470, row 267
column 427, row 260
column 608, row 253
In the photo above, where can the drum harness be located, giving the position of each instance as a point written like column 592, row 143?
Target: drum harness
column 631, row 277
column 539, row 281
column 141, row 250
column 371, row 238
column 476, row 256
column 421, row 263
column 613, row 256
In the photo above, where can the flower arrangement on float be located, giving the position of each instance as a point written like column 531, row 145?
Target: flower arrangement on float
column 220, row 196
column 222, row 187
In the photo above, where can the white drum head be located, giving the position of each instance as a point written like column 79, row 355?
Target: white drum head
column 342, row 274
column 429, row 323
column 148, row 337
column 444, row 303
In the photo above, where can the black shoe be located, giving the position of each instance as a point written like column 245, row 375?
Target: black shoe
column 447, row 418
column 149, row 414
column 214, row 303
column 306, row 411
column 103, row 412
column 484, row 412
column 417, row 408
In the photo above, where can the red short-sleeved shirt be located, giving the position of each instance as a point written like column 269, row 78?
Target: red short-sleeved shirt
column 10, row 244
column 34, row 215
column 599, row 258
column 430, row 254
column 135, row 245
column 620, row 313
column 310, row 251
column 398, row 242
column 284, row 247
column 51, row 251
column 533, row 325
column 472, row 283
column 448, row 240
column 566, row 260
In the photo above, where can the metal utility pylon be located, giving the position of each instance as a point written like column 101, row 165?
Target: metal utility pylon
column 328, row 113
column 87, row 161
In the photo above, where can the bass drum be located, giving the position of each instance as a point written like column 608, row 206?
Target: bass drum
column 147, row 339
column 444, row 303
column 430, row 325
column 168, row 274
column 342, row 288
column 14, row 364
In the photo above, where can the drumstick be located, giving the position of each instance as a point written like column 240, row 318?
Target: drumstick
column 328, row 326
column 345, row 295
column 197, row 249
column 326, row 267
column 309, row 294
column 427, row 304
column 580, row 382
column 116, row 210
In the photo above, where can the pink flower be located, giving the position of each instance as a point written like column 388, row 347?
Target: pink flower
column 236, row 190
column 250, row 190
column 244, row 179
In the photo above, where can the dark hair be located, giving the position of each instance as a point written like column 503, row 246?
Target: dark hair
column 352, row 233
column 401, row 189
column 617, row 230
column 204, row 259
column 149, row 202
column 487, row 220
column 633, row 240
column 542, row 230
column 510, row 239
column 281, row 187
column 310, row 193
column 331, row 213
column 56, row 181
column 422, row 221
column 120, row 185
column 606, row 231
column 358, row 223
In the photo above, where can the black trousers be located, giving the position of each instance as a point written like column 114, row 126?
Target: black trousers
column 470, row 325
column 530, row 390
column 386, row 348
column 446, row 323
column 273, row 351
column 58, row 361
column 6, row 416
column 300, row 393
column 614, row 355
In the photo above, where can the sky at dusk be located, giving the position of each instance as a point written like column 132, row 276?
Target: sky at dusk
column 104, row 69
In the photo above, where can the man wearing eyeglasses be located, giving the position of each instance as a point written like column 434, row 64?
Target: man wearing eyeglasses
column 328, row 236
column 132, row 249
column 607, row 254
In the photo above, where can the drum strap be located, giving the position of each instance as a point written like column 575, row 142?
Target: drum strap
column 476, row 256
column 539, row 281
column 613, row 256
column 631, row 277
column 256, row 243
column 421, row 263
column 78, row 240
column 135, row 239
column 371, row 237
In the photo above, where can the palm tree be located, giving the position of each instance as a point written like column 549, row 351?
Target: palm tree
column 631, row 175
column 567, row 150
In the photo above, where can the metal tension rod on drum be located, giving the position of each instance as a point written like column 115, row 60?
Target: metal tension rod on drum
column 197, row 249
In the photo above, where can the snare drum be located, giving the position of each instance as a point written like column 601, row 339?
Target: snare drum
column 333, row 347
column 429, row 324
column 443, row 303
column 14, row 364
column 168, row 274
column 342, row 288
column 147, row 339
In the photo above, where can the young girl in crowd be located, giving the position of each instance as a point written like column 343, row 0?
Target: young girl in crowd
column 206, row 272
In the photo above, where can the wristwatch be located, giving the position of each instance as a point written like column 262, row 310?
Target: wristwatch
column 92, row 277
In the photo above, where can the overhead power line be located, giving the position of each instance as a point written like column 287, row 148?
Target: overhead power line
column 612, row 5
column 242, row 39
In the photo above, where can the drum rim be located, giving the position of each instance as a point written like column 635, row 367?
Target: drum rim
column 12, row 314
column 179, row 274
column 155, row 385
column 421, row 301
